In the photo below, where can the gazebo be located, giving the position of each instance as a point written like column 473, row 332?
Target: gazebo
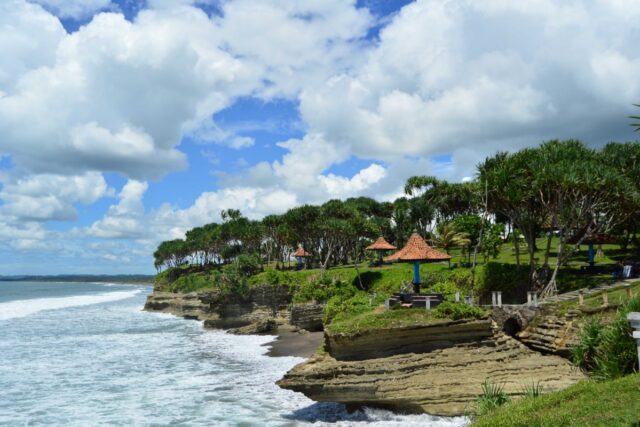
column 417, row 251
column 300, row 255
column 380, row 246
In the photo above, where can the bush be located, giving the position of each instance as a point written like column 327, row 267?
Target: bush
column 339, row 308
column 511, row 279
column 248, row 265
column 584, row 353
column 456, row 311
column 231, row 283
column 322, row 288
column 609, row 351
column 448, row 289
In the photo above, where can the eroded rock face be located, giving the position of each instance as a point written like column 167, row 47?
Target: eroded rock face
column 189, row 305
column 410, row 339
column 262, row 310
column 307, row 316
column 441, row 382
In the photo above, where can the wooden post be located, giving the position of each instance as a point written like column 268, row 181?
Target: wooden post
column 627, row 288
column 605, row 298
column 580, row 297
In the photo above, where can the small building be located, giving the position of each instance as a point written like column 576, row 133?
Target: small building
column 380, row 246
column 301, row 255
column 418, row 251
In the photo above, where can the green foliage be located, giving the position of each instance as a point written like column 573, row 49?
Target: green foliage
column 533, row 390
column 339, row 308
column 321, row 288
column 191, row 283
column 446, row 288
column 470, row 225
column 493, row 396
column 248, row 265
column 510, row 279
column 609, row 351
column 588, row 403
column 456, row 311
column 371, row 320
column 584, row 353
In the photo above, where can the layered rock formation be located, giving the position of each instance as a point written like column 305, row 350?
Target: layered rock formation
column 189, row 306
column 410, row 339
column 307, row 316
column 262, row 310
column 443, row 382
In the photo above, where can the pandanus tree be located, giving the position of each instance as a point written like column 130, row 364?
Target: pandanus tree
column 579, row 190
column 508, row 179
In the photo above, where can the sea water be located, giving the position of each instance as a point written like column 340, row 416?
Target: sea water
column 85, row 354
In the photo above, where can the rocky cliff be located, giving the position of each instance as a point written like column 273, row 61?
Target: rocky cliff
column 409, row 339
column 189, row 305
column 445, row 381
column 262, row 310
column 307, row 316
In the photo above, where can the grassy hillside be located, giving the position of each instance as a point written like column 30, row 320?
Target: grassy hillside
column 588, row 403
column 356, row 290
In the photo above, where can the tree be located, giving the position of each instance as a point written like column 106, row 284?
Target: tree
column 449, row 237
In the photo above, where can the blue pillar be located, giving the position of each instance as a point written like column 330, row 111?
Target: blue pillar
column 416, row 272
column 591, row 254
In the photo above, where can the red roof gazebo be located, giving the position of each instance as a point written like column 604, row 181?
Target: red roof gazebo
column 380, row 246
column 300, row 255
column 416, row 251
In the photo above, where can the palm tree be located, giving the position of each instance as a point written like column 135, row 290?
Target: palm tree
column 637, row 124
column 448, row 237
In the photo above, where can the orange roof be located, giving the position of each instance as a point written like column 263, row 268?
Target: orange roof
column 301, row 253
column 380, row 244
column 417, row 249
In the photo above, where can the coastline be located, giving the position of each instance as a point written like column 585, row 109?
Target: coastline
column 293, row 342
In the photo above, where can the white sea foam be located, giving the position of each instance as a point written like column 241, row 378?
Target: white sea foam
column 24, row 308
column 123, row 366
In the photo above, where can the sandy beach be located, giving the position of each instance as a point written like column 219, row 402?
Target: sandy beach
column 293, row 342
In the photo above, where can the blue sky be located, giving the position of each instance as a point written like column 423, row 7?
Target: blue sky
column 127, row 122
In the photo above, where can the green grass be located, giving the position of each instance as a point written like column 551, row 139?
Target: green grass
column 616, row 297
column 386, row 319
column 588, row 403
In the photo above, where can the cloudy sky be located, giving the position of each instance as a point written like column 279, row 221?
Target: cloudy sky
column 126, row 122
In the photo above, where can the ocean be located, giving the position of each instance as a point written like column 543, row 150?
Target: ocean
column 85, row 354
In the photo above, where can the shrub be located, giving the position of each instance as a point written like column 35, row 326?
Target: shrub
column 584, row 353
column 339, row 308
column 609, row 351
column 231, row 283
column 511, row 279
column 493, row 396
column 248, row 265
column 456, row 311
column 448, row 289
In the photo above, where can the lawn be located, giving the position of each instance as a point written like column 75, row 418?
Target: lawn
column 588, row 403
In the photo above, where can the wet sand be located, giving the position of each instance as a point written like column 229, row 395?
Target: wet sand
column 291, row 342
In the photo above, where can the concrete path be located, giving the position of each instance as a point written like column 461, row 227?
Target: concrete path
column 573, row 295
